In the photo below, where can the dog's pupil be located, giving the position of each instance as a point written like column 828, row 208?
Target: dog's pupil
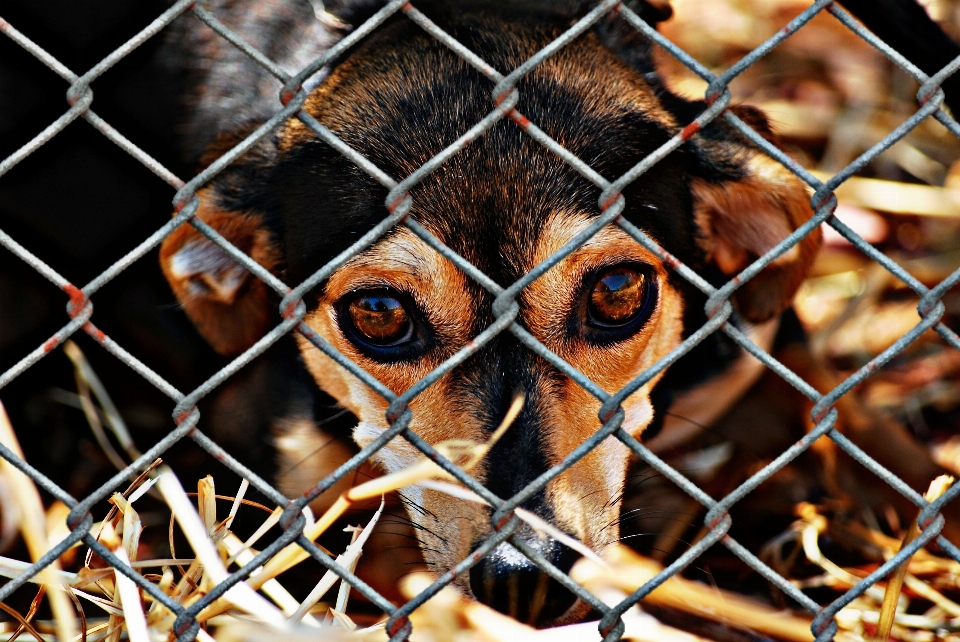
column 617, row 296
column 381, row 319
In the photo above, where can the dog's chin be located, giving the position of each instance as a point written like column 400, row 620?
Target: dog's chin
column 515, row 599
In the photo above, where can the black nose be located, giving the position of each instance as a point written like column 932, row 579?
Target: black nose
column 510, row 583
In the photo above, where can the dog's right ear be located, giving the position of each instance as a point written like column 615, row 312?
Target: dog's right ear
column 745, row 203
column 230, row 307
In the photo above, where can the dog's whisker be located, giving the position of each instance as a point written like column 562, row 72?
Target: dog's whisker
column 647, row 511
column 412, row 525
column 591, row 494
column 415, row 506
column 403, row 547
column 402, row 534
column 662, row 517
column 410, row 503
column 397, row 517
column 634, row 481
column 359, row 473
column 654, row 534
column 423, row 529
column 395, row 522
column 688, row 420
column 333, row 417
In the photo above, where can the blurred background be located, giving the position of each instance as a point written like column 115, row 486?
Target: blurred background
column 831, row 97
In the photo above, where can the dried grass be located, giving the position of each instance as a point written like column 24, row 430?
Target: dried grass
column 263, row 609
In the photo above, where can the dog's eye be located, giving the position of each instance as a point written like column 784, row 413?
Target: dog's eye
column 619, row 296
column 380, row 319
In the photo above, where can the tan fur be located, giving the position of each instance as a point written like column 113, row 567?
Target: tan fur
column 742, row 220
column 306, row 454
column 231, row 319
column 583, row 495
column 405, row 263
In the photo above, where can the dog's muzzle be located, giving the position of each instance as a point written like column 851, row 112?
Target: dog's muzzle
column 509, row 582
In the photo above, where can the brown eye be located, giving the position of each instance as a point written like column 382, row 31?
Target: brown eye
column 618, row 297
column 380, row 319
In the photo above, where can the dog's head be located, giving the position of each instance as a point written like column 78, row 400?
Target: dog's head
column 505, row 203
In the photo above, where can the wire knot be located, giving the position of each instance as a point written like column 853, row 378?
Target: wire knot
column 287, row 94
column 184, row 624
column 74, row 521
column 78, row 300
column 498, row 526
column 396, row 626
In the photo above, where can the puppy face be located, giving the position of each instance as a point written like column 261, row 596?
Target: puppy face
column 610, row 309
column 400, row 310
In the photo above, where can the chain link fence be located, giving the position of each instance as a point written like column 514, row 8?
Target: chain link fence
column 504, row 97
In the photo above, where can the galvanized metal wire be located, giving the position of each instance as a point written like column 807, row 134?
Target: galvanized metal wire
column 398, row 203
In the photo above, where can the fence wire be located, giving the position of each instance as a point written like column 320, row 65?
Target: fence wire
column 504, row 97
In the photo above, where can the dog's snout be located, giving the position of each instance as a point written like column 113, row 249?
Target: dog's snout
column 509, row 582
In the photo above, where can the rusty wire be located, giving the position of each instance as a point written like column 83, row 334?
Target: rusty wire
column 504, row 97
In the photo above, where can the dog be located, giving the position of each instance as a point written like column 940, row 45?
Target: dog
column 611, row 309
column 505, row 203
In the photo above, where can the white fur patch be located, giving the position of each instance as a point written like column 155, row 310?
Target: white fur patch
column 296, row 438
column 638, row 415
column 197, row 257
column 219, row 273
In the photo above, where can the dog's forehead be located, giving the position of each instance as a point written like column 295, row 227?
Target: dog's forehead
column 403, row 98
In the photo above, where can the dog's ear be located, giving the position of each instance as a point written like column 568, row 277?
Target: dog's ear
column 745, row 203
column 230, row 307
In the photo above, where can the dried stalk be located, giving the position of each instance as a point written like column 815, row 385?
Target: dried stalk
column 631, row 570
column 34, row 529
column 889, row 607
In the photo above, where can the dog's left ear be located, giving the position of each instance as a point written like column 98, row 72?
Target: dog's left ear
column 745, row 203
column 230, row 307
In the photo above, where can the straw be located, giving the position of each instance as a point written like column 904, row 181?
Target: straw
column 34, row 531
column 888, row 609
